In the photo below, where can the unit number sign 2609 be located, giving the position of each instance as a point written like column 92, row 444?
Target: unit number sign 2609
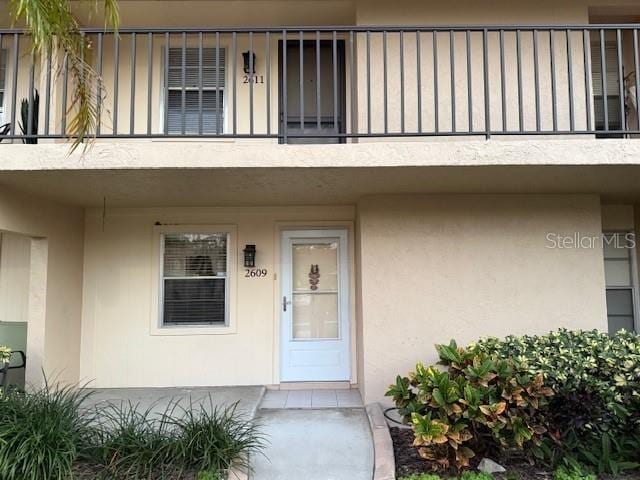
column 255, row 272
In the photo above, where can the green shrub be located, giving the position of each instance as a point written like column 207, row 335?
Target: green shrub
column 595, row 413
column 42, row 433
column 573, row 473
column 478, row 404
column 464, row 476
column 422, row 476
column 475, row 476
column 209, row 475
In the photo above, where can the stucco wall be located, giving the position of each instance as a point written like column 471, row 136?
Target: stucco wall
column 55, row 283
column 119, row 346
column 440, row 267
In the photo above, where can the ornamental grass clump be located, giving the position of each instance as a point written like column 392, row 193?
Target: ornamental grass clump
column 202, row 438
column 42, row 434
column 215, row 438
column 477, row 405
column 49, row 434
column 133, row 443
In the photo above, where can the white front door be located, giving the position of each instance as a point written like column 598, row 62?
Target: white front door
column 315, row 306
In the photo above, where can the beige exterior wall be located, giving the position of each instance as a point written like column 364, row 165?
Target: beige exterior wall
column 121, row 347
column 440, row 267
column 15, row 267
column 55, row 282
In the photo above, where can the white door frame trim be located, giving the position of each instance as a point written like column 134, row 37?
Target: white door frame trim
column 343, row 234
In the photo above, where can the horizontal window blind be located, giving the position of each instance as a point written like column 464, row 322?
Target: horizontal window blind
column 196, row 115
column 211, row 115
column 212, row 77
column 194, row 279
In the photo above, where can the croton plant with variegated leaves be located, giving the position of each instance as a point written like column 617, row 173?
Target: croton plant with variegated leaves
column 595, row 413
column 477, row 404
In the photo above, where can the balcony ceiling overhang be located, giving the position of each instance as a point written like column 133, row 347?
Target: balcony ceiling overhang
column 148, row 174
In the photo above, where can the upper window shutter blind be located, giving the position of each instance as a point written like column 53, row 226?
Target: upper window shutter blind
column 213, row 84
column 209, row 77
column 613, row 87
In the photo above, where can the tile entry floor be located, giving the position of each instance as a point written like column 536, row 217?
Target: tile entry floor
column 285, row 399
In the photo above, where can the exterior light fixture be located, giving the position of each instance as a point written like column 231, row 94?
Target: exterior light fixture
column 246, row 57
column 249, row 256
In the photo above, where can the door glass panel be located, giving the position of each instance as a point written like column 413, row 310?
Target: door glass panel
column 315, row 290
column 315, row 315
column 325, row 256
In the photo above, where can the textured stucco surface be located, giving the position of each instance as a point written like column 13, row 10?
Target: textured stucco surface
column 121, row 345
column 55, row 283
column 435, row 268
column 434, row 152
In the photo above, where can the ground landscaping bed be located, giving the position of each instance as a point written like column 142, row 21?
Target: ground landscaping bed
column 568, row 401
column 409, row 462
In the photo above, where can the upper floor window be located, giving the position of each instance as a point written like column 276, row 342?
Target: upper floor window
column 619, row 278
column 196, row 98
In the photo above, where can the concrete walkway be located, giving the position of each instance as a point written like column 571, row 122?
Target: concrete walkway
column 308, row 444
column 158, row 399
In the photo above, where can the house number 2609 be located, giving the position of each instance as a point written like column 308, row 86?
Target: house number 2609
column 255, row 272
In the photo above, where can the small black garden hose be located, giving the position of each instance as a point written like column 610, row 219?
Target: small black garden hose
column 389, row 418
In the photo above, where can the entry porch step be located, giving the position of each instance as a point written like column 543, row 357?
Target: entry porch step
column 311, row 398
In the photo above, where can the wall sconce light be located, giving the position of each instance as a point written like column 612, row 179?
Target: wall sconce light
column 249, row 256
column 246, row 57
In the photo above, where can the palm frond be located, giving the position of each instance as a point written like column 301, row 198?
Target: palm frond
column 52, row 23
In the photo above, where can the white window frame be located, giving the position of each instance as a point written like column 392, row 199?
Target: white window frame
column 633, row 275
column 227, row 77
column 156, row 319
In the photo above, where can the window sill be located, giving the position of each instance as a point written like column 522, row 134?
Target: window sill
column 194, row 330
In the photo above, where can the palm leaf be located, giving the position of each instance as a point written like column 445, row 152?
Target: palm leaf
column 52, row 25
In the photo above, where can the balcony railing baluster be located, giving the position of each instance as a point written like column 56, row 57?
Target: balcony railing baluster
column 334, row 84
column 572, row 122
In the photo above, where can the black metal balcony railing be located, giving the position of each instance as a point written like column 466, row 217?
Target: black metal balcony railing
column 331, row 84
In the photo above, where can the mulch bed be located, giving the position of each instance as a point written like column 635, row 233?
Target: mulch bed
column 409, row 462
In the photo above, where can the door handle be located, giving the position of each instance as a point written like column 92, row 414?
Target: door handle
column 285, row 303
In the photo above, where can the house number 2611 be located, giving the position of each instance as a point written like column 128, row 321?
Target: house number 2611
column 255, row 272
column 253, row 79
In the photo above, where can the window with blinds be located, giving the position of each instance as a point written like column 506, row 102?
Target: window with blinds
column 618, row 269
column 612, row 84
column 194, row 279
column 190, row 108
